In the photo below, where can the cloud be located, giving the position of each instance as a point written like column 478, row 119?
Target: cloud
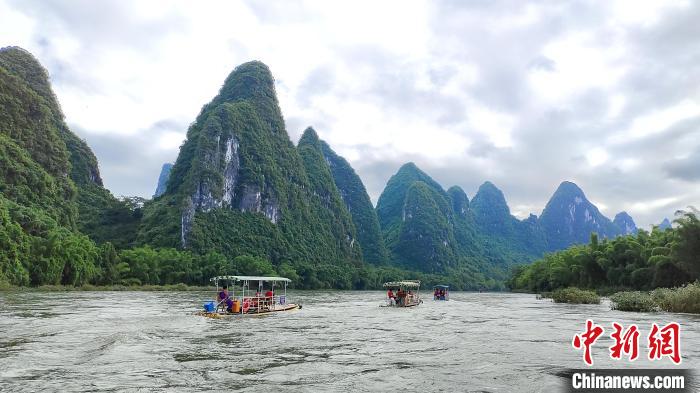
column 524, row 94
column 686, row 168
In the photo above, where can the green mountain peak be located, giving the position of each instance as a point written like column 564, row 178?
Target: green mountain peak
column 22, row 63
column 354, row 195
column 460, row 201
column 489, row 200
column 309, row 136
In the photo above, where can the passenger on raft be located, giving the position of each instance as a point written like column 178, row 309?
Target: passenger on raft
column 269, row 297
column 391, row 296
column 223, row 296
column 401, row 298
column 436, row 295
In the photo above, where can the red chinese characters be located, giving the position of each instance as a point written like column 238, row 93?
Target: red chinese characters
column 627, row 343
column 586, row 339
column 665, row 342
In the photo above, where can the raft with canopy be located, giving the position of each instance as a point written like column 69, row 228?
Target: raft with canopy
column 404, row 293
column 249, row 295
column 441, row 292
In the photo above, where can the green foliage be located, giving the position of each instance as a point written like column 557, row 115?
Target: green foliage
column 14, row 247
column 333, row 215
column 415, row 208
column 682, row 299
column 29, row 114
column 686, row 246
column 251, row 192
column 107, row 219
column 575, row 296
column 391, row 201
column 41, row 162
column 431, row 230
column 252, row 266
column 513, row 240
column 356, row 199
column 426, row 239
column 633, row 301
column 685, row 299
column 642, row 261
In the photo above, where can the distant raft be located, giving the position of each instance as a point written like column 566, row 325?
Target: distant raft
column 407, row 293
column 441, row 292
column 249, row 295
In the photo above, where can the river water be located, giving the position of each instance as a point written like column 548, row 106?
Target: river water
column 339, row 341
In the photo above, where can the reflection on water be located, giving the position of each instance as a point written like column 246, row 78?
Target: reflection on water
column 481, row 342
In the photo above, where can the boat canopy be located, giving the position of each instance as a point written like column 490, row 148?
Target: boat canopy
column 405, row 284
column 249, row 278
column 442, row 286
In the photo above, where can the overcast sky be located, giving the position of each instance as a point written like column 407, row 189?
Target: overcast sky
column 526, row 95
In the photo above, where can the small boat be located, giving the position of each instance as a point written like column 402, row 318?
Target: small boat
column 441, row 292
column 249, row 295
column 407, row 293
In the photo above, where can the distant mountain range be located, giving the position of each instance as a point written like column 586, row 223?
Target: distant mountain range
column 427, row 228
column 253, row 167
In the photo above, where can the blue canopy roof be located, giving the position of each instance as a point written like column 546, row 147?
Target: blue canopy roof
column 442, row 286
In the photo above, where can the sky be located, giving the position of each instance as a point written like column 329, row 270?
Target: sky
column 523, row 94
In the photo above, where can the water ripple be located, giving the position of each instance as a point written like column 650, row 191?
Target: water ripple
column 340, row 341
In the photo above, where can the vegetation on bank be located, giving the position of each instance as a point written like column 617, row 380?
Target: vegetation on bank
column 633, row 301
column 69, row 259
column 643, row 261
column 685, row 299
column 575, row 296
column 106, row 288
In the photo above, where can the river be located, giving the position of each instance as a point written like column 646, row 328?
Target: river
column 339, row 341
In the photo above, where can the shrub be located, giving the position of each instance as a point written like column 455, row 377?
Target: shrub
column 4, row 285
column 633, row 301
column 684, row 299
column 575, row 296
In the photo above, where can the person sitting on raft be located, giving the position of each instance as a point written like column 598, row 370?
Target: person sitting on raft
column 436, row 295
column 223, row 296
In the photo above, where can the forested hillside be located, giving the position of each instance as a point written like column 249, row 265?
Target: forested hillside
column 356, row 199
column 50, row 186
column 645, row 260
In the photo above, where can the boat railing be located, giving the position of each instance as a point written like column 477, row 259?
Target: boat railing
column 262, row 303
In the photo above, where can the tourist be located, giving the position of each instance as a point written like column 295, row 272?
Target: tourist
column 269, row 297
column 391, row 296
column 223, row 296
column 401, row 297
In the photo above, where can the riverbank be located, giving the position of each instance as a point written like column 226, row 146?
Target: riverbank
column 684, row 299
column 121, row 288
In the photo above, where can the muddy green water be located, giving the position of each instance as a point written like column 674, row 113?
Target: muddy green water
column 339, row 341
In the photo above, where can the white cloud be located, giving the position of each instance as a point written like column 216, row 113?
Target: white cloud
column 580, row 63
column 658, row 121
column 597, row 157
column 645, row 13
column 649, row 205
column 496, row 126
